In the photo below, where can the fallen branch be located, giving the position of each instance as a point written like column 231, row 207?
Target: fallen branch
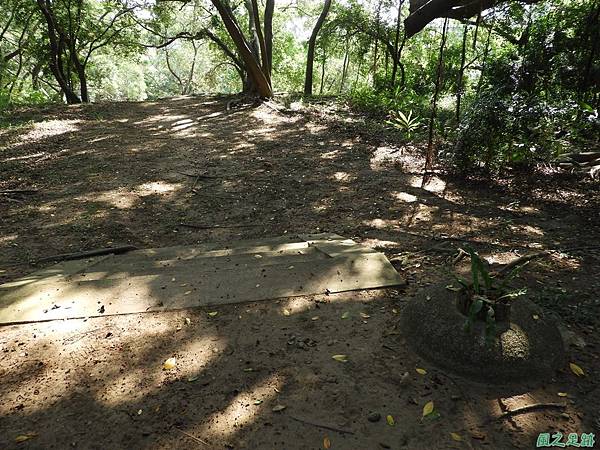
column 200, row 441
column 522, row 260
column 18, row 191
column 530, row 408
column 90, row 253
column 320, row 425
column 195, row 175
column 209, row 227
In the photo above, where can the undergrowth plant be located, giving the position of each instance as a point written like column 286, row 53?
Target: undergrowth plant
column 487, row 296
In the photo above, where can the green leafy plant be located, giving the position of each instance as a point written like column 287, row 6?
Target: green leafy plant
column 487, row 297
column 407, row 123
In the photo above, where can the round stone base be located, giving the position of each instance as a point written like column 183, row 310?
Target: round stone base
column 530, row 346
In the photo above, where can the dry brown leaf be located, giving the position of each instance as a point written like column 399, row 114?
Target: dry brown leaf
column 340, row 358
column 456, row 437
column 326, row 442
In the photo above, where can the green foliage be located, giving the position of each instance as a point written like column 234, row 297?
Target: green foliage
column 487, row 296
column 408, row 124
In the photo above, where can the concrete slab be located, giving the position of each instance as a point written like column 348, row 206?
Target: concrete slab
column 182, row 277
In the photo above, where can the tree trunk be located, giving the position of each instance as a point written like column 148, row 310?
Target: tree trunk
column 396, row 58
column 430, row 158
column 56, row 50
column 310, row 57
column 257, row 77
column 269, row 7
column 461, row 71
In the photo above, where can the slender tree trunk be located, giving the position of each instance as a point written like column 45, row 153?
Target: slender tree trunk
column 396, row 43
column 345, row 64
column 310, row 56
column 461, row 71
column 430, row 158
column 322, row 74
column 269, row 8
column 376, row 49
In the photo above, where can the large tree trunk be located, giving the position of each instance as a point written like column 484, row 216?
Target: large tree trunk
column 258, row 80
column 310, row 57
column 56, row 50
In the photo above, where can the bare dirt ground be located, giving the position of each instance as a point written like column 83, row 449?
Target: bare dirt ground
column 126, row 173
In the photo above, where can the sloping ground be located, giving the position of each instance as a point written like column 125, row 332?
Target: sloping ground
column 185, row 172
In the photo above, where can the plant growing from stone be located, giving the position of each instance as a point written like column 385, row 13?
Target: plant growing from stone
column 486, row 296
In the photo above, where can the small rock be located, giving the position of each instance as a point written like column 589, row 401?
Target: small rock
column 374, row 417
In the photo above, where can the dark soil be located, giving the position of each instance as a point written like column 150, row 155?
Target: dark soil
column 126, row 173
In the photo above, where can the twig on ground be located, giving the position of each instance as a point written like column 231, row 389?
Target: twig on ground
column 530, row 408
column 209, row 227
column 200, row 441
column 87, row 254
column 19, row 191
column 320, row 425
column 197, row 175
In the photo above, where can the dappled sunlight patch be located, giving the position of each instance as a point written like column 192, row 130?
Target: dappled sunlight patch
column 383, row 156
column 424, row 213
column 8, row 238
column 49, row 128
column 157, row 188
column 330, row 154
column 404, row 197
column 527, row 229
column 380, row 224
column 435, row 185
column 343, row 177
column 244, row 409
column 378, row 243
column 117, row 198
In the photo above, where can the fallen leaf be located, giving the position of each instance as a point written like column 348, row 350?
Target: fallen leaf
column 346, row 315
column 456, row 437
column 421, row 371
column 140, row 412
column 286, row 312
column 277, row 408
column 453, row 288
column 213, row 313
column 187, row 292
column 314, row 318
column 364, row 315
column 248, row 369
column 326, row 442
column 257, row 402
column 170, row 364
column 394, row 310
column 562, row 394
column 390, row 420
column 576, row 369
column 193, row 378
column 427, row 409
column 340, row 358
column 25, row 437
column 188, row 321
column 535, row 317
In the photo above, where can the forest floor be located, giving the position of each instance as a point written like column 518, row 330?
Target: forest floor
column 110, row 174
